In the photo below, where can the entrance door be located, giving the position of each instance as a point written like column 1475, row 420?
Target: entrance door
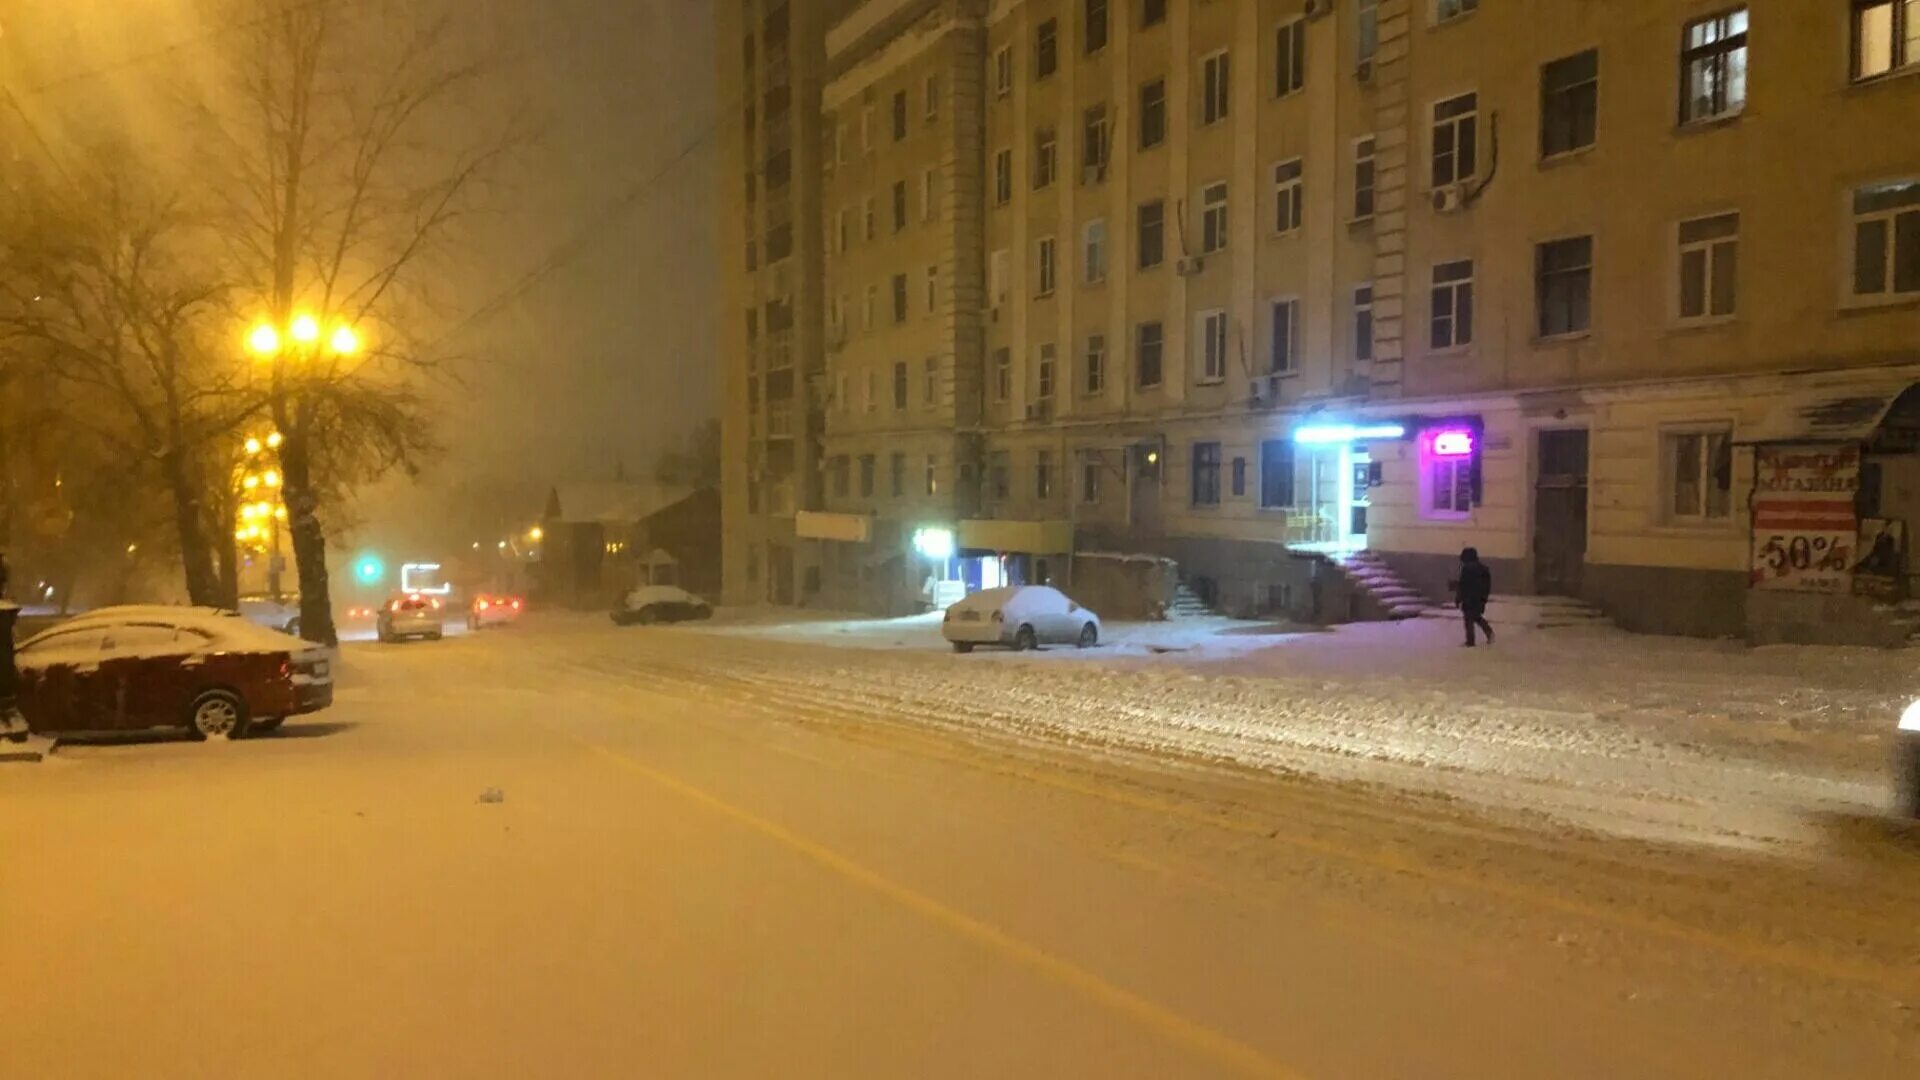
column 1560, row 513
column 1143, row 496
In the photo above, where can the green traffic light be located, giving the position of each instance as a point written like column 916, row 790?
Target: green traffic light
column 370, row 570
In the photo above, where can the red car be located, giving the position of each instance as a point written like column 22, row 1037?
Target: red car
column 208, row 671
column 489, row 610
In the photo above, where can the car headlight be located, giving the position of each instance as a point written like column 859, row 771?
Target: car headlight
column 1910, row 719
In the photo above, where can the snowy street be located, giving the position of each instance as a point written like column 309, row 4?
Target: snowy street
column 790, row 846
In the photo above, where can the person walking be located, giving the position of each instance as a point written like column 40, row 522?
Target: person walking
column 1472, row 591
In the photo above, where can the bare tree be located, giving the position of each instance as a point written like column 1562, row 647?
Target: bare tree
column 353, row 147
column 99, row 284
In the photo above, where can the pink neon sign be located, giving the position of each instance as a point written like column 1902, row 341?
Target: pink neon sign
column 1452, row 443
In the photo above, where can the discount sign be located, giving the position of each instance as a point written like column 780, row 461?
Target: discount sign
column 1804, row 519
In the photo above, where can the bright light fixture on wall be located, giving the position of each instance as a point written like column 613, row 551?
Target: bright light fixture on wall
column 1322, row 434
column 934, row 543
column 418, row 577
column 1452, row 443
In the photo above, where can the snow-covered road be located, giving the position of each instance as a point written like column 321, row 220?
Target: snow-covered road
column 831, row 849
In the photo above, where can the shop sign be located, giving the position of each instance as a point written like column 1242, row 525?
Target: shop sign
column 1804, row 518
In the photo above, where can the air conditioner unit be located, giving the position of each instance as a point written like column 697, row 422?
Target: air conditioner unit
column 1363, row 71
column 1318, row 8
column 1189, row 266
column 1450, row 199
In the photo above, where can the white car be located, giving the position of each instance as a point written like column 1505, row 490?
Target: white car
column 275, row 613
column 651, row 604
column 408, row 616
column 1020, row 616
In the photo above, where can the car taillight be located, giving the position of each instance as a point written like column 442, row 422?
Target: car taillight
column 394, row 607
column 286, row 668
column 436, row 604
column 480, row 605
column 516, row 605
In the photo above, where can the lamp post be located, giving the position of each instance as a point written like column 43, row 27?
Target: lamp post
column 292, row 350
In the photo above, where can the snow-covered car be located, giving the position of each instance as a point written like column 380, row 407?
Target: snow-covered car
column 212, row 672
column 280, row 613
column 1020, row 616
column 486, row 610
column 659, row 604
column 410, row 616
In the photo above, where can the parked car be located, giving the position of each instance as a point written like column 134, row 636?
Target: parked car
column 487, row 611
column 659, row 604
column 211, row 672
column 280, row 613
column 1020, row 616
column 410, row 616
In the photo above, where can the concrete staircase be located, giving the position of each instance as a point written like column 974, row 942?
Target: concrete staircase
column 1187, row 604
column 1537, row 612
column 1371, row 574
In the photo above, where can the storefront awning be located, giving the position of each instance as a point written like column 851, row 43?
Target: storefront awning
column 1837, row 414
column 847, row 528
column 1030, row 537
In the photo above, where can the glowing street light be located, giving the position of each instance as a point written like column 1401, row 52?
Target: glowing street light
column 536, row 534
column 253, row 446
column 344, row 341
column 305, row 329
column 274, row 440
column 271, row 478
column 264, row 341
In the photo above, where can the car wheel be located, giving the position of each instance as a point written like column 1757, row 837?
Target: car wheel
column 1089, row 636
column 217, row 712
column 963, row 646
column 1024, row 640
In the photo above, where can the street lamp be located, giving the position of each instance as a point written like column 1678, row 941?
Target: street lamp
column 266, row 342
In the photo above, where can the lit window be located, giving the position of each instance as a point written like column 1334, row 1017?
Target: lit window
column 1886, row 36
column 1446, row 481
column 1713, row 67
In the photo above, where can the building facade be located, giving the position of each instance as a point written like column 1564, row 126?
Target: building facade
column 1625, row 295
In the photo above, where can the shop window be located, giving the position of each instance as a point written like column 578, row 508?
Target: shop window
column 1697, row 475
column 1446, row 474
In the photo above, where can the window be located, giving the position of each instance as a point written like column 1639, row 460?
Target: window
column 1211, row 327
column 1276, row 474
column 899, row 115
column 1206, row 474
column 897, row 474
column 929, row 193
column 1151, row 239
column 899, row 298
column 1456, row 147
column 1002, row 374
column 1095, row 27
column 1152, row 13
column 866, row 476
column 1003, row 71
column 842, row 399
column 843, row 225
column 866, row 129
column 1886, row 36
column 1367, row 27
column 899, row 205
column 933, row 97
column 1239, row 481
column 1569, row 103
column 1563, row 284
column 930, row 381
column 840, row 143
column 1045, row 371
column 1444, row 10
column 1147, row 341
column 1363, row 178
column 1043, row 271
column 869, row 226
column 933, row 288
column 1153, row 114
column 1094, row 371
column 1451, row 316
column 1290, row 57
column 900, row 385
column 1042, row 474
column 1713, row 67
column 841, row 469
column 1886, row 239
column 1286, row 337
column 997, row 274
column 1286, row 196
column 1093, row 251
column 1090, row 480
column 1093, row 144
column 999, row 468
column 1002, row 177
column 933, row 474
column 1045, row 159
column 1046, row 48
column 1448, row 484
column 866, row 313
column 1214, row 88
column 872, row 397
column 1213, row 218
column 1709, row 267
column 1698, row 474
column 1363, row 322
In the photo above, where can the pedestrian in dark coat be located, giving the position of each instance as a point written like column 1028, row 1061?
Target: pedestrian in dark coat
column 1473, row 590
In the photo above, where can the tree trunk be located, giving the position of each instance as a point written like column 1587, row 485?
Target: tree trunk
column 309, row 539
column 196, row 554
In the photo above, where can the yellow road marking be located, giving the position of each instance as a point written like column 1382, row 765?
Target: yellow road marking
column 1195, row 1038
